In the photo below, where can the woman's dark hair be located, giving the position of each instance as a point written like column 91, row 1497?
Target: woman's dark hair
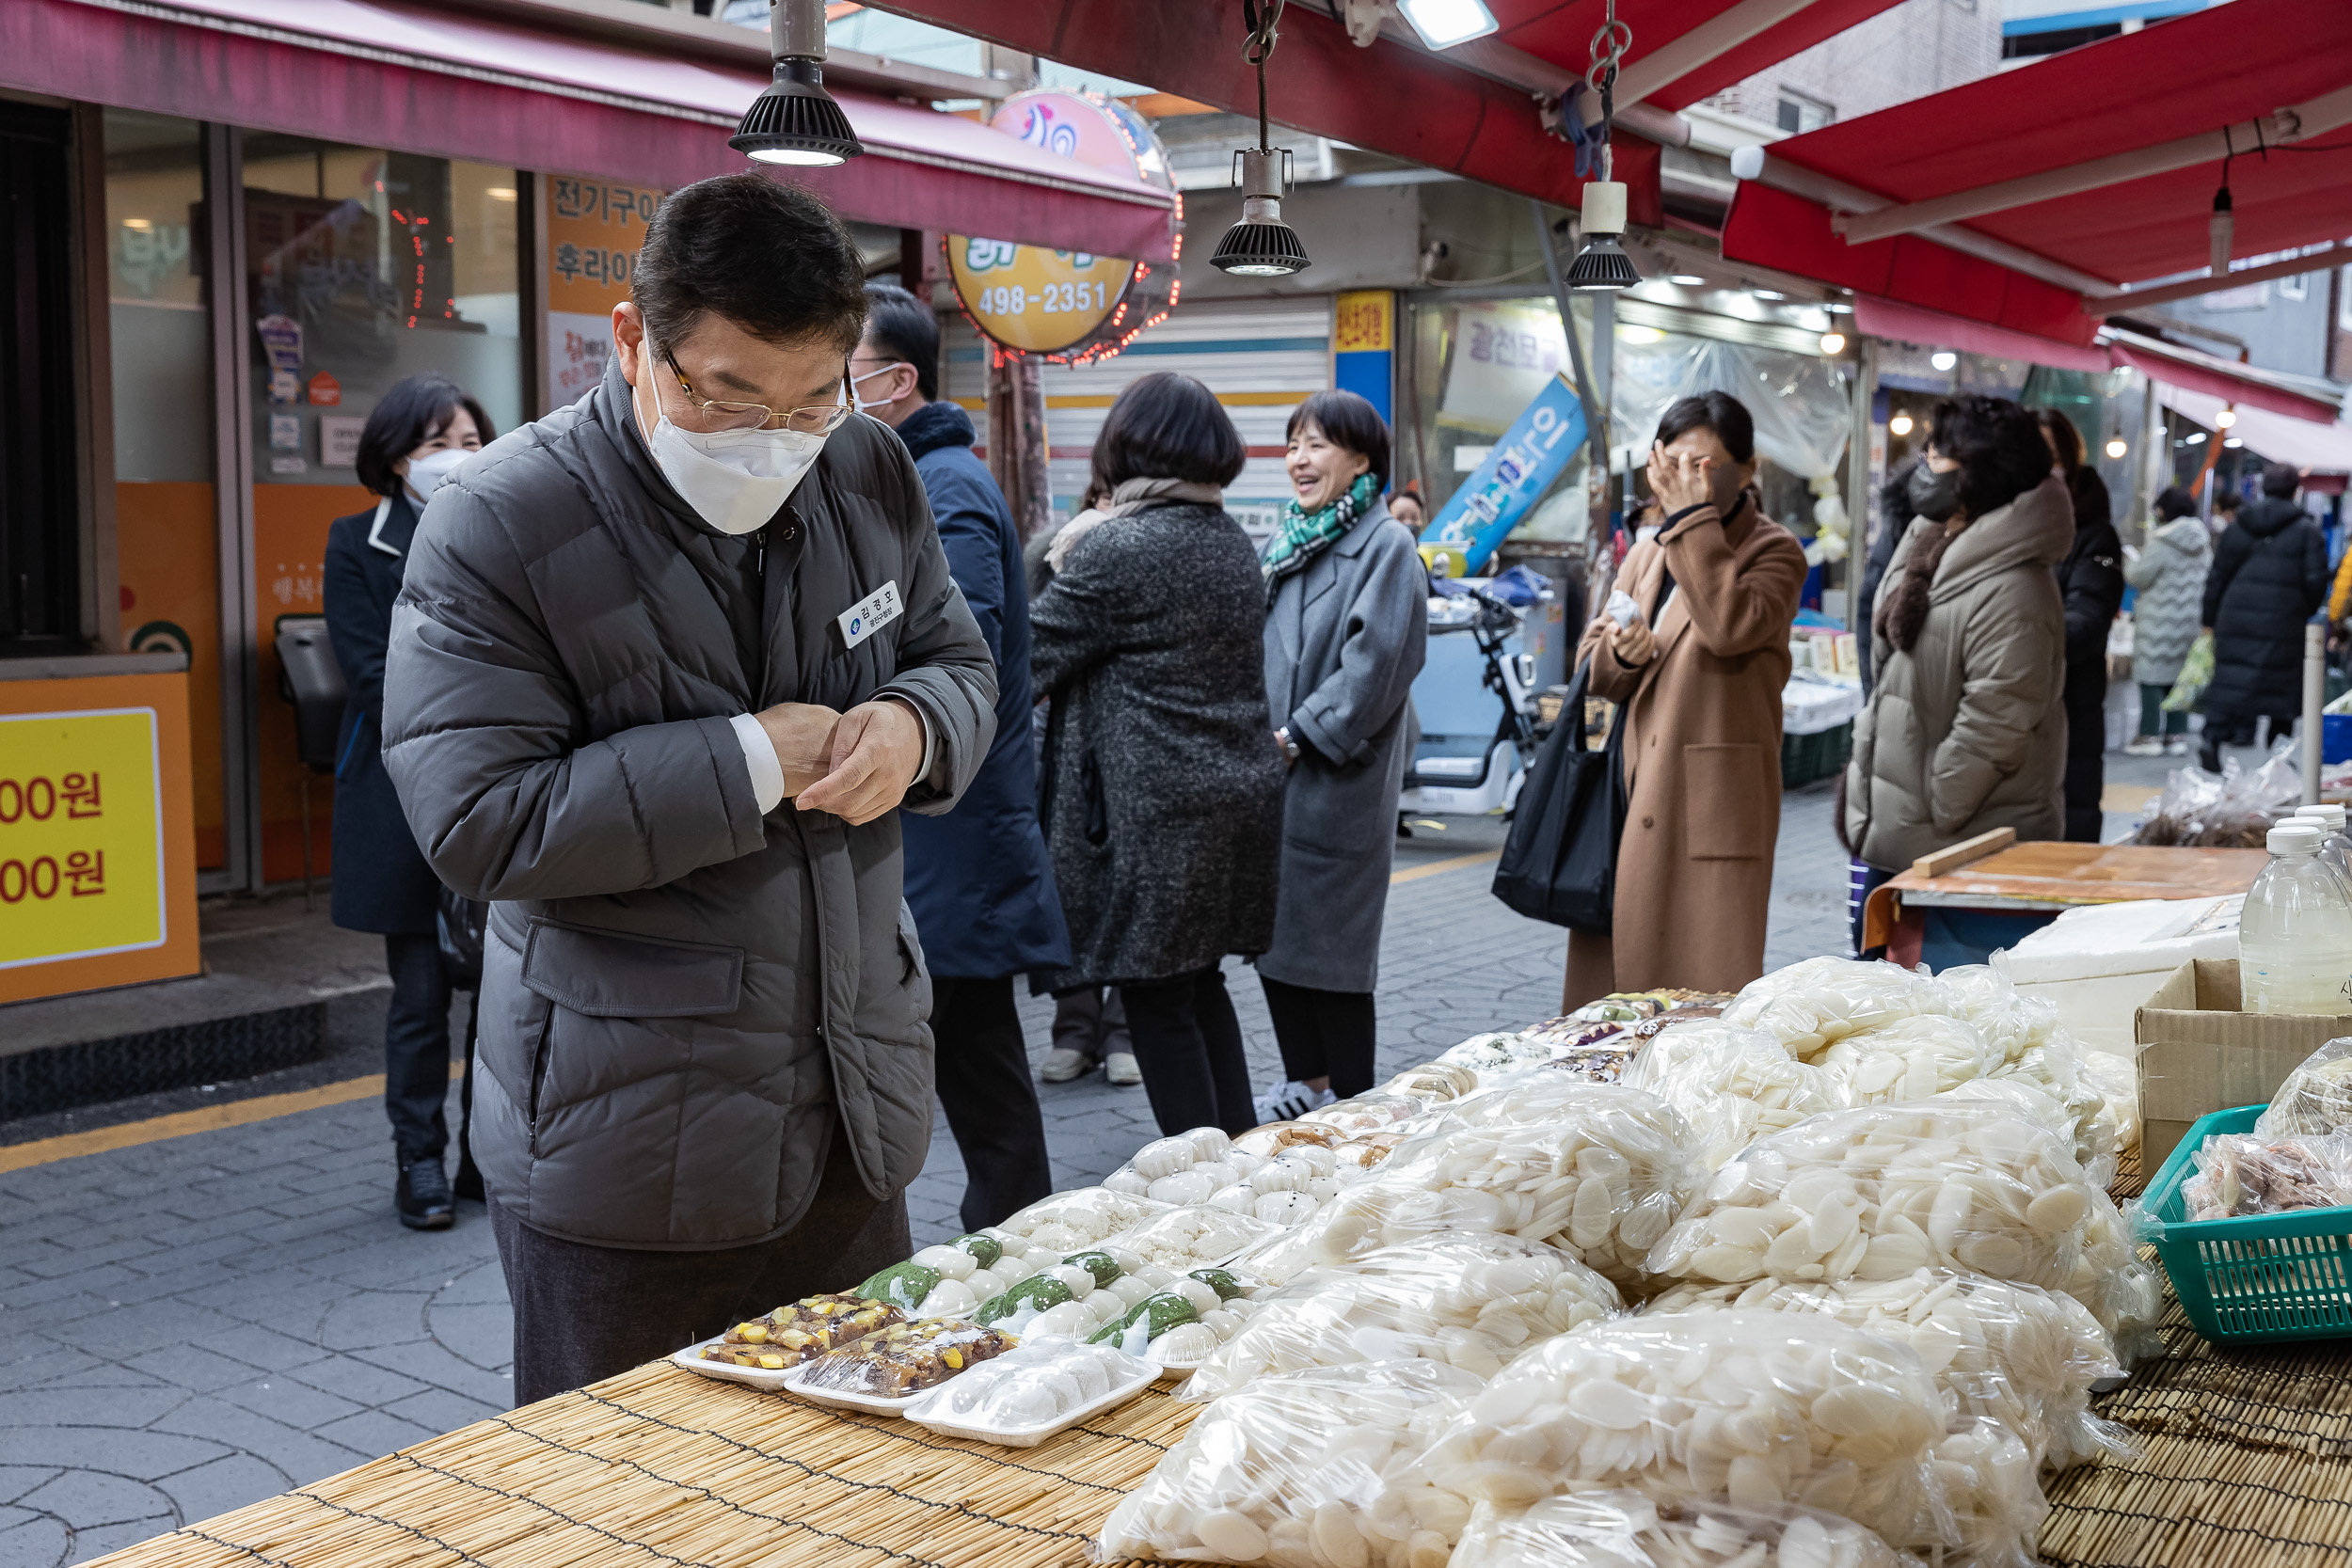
column 1167, row 426
column 770, row 258
column 905, row 328
column 2174, row 503
column 2065, row 440
column 407, row 416
column 1720, row 412
column 1997, row 445
column 1346, row 419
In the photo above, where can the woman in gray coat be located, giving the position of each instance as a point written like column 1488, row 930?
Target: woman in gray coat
column 1346, row 629
column 2169, row 575
column 1162, row 783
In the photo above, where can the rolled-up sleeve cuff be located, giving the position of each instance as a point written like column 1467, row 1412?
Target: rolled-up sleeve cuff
column 759, row 755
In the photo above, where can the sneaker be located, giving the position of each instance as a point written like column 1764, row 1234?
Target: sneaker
column 1118, row 1066
column 2146, row 746
column 423, row 1197
column 1062, row 1064
column 1290, row 1100
column 2177, row 746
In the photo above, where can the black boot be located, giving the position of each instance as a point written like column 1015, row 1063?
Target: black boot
column 422, row 1196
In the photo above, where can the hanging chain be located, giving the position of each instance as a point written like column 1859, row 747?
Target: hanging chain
column 1608, row 55
column 1260, row 16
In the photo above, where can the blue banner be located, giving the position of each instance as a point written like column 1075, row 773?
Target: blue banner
column 1532, row 453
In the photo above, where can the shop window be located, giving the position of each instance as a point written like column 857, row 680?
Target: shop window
column 39, row 511
column 1800, row 113
column 364, row 267
column 167, row 518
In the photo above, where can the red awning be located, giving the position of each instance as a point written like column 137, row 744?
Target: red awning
column 1662, row 29
column 2191, row 75
column 1908, row 324
column 380, row 73
column 2222, row 378
column 2313, row 447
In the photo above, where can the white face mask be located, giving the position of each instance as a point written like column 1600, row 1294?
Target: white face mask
column 865, row 404
column 735, row 479
column 428, row 473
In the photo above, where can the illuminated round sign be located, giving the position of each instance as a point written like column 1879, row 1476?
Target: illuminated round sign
column 1067, row 306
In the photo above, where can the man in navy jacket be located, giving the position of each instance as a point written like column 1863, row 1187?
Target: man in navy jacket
column 978, row 878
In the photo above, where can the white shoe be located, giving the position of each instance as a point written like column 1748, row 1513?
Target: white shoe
column 1290, row 1100
column 1062, row 1064
column 2146, row 746
column 2177, row 746
column 1120, row 1068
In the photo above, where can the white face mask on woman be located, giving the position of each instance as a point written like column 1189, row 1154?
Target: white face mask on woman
column 735, row 479
column 431, row 471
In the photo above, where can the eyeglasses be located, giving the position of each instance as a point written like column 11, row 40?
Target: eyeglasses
column 722, row 414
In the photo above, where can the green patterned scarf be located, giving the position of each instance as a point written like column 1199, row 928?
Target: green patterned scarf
column 1306, row 534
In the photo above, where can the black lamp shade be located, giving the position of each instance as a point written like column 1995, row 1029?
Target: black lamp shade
column 796, row 120
column 1259, row 250
column 1602, row 264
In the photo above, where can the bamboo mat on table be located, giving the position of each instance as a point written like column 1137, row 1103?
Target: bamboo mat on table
column 661, row 1466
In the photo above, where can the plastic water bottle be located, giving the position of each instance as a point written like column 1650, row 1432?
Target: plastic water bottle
column 2294, row 938
column 2335, row 848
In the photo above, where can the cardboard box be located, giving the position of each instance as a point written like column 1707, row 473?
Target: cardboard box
column 2199, row 1054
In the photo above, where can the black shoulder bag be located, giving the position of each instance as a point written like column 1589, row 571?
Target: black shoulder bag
column 1559, row 861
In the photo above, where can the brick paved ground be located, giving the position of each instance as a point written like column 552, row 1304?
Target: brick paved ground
column 189, row 1325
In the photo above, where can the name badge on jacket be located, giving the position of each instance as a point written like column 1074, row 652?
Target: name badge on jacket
column 870, row 614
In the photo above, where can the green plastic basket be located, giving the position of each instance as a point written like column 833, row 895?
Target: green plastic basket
column 2265, row 1279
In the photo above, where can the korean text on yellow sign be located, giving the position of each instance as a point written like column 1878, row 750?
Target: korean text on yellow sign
column 81, row 840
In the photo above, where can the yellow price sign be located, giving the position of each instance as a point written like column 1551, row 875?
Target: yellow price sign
column 81, row 835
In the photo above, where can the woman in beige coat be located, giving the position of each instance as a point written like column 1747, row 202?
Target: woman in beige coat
column 1701, row 695
column 1966, row 727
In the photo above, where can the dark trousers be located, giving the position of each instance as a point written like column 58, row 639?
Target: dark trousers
column 2154, row 720
column 1091, row 1021
column 416, row 1046
column 586, row 1312
column 1323, row 1034
column 2234, row 729
column 1188, row 1047
column 991, row 1102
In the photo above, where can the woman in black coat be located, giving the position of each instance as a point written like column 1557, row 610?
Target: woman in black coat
column 2091, row 579
column 2270, row 574
column 420, row 431
column 1163, row 793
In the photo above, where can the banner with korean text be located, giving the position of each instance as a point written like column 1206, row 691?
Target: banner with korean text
column 1512, row 477
column 594, row 230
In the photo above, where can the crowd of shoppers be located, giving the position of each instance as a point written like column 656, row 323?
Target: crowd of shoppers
column 659, row 673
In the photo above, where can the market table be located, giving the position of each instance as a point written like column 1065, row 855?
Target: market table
column 2041, row 879
column 2248, row 1459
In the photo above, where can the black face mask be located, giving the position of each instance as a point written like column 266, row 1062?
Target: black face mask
column 1935, row 496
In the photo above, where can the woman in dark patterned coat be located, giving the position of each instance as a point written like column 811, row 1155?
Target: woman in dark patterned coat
column 1163, row 794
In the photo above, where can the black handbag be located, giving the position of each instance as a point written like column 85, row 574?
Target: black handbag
column 1559, row 861
column 459, row 922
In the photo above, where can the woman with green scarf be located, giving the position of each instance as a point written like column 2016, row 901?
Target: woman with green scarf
column 1347, row 625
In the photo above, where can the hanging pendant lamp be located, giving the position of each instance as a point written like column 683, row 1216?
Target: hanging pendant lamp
column 1602, row 266
column 1261, row 244
column 796, row 120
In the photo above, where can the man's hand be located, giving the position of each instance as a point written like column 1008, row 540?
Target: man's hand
column 1633, row 644
column 876, row 749
column 802, row 733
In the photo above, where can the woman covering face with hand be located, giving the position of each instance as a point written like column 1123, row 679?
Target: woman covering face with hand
column 1697, row 671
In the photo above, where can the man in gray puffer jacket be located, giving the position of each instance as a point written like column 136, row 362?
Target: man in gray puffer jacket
column 626, row 634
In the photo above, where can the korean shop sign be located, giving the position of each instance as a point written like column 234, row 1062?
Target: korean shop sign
column 595, row 229
column 81, row 835
column 1534, row 452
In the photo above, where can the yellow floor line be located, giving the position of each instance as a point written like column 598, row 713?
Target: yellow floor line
column 1436, row 868
column 236, row 1113
column 242, row 1113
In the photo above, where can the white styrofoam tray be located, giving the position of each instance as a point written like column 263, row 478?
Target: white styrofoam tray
column 727, row 1371
column 1030, row 1436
